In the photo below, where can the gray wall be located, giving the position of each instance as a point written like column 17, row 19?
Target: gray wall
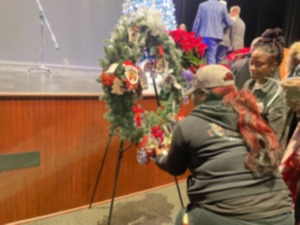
column 80, row 27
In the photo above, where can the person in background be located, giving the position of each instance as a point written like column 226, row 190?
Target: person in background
column 232, row 155
column 238, row 28
column 182, row 26
column 208, row 24
column 293, row 70
column 240, row 68
column 293, row 60
column 224, row 46
column 264, row 62
column 223, row 2
column 233, row 38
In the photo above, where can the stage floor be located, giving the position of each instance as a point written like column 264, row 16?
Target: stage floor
column 18, row 80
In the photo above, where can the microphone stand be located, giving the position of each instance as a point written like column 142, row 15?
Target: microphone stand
column 43, row 21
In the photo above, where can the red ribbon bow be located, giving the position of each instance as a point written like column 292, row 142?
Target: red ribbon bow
column 161, row 50
column 157, row 133
column 138, row 111
column 180, row 115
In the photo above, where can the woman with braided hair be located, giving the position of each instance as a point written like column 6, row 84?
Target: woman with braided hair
column 264, row 65
column 232, row 155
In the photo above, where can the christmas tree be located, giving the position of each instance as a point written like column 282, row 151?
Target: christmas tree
column 166, row 8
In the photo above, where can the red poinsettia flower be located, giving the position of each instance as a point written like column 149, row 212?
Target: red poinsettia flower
column 193, row 48
column 187, row 40
column 192, row 69
column 238, row 54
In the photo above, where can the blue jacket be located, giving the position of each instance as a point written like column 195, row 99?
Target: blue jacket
column 210, row 18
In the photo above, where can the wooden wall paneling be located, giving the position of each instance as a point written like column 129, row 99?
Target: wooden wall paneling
column 71, row 135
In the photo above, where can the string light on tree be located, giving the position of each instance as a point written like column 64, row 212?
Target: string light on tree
column 166, row 8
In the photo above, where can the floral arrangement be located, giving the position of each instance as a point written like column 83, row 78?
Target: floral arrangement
column 192, row 53
column 138, row 48
column 192, row 47
column 237, row 54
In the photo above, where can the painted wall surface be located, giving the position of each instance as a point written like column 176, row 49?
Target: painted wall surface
column 80, row 28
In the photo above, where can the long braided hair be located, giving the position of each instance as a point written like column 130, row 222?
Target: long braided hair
column 264, row 149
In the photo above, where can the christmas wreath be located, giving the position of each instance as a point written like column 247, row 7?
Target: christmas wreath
column 140, row 51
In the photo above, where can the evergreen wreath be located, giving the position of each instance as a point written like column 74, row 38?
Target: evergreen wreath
column 137, row 47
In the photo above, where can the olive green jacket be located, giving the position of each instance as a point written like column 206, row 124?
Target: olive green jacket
column 275, row 109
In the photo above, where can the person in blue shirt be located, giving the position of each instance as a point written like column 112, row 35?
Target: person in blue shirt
column 209, row 23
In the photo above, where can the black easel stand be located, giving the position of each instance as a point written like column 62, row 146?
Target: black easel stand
column 121, row 151
column 158, row 104
column 120, row 156
column 101, row 168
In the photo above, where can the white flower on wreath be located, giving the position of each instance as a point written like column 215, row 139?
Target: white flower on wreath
column 119, row 29
column 153, row 19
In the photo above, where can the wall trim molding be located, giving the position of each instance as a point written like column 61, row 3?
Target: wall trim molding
column 59, row 66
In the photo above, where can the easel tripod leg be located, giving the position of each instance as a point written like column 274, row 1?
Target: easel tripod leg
column 179, row 193
column 158, row 105
column 116, row 181
column 101, row 168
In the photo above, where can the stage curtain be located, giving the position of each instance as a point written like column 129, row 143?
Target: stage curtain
column 291, row 22
column 271, row 14
column 186, row 11
column 257, row 14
